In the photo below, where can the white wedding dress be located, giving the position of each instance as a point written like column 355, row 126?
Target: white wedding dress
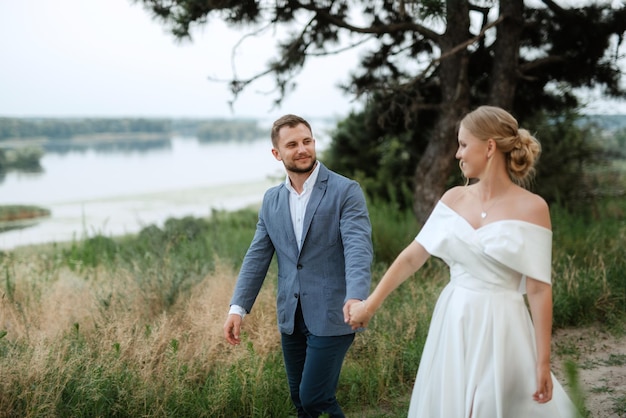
column 480, row 354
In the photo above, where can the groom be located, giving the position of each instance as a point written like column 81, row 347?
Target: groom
column 317, row 224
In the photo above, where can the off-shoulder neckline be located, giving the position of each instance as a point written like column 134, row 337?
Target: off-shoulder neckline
column 496, row 222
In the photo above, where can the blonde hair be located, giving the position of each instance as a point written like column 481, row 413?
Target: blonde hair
column 520, row 148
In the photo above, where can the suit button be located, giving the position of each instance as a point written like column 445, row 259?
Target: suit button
column 295, row 295
column 299, row 266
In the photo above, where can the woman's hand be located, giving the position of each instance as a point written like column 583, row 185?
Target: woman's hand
column 359, row 315
column 544, row 385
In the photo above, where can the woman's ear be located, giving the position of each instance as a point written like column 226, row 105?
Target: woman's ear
column 491, row 147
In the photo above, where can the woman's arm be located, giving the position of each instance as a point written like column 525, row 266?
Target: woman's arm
column 408, row 262
column 540, row 301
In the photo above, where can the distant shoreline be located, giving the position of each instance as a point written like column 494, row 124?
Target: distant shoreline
column 20, row 216
column 97, row 221
column 84, row 139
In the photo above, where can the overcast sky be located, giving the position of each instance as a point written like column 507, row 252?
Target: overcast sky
column 110, row 58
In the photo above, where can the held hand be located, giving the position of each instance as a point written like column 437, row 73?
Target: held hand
column 232, row 329
column 346, row 309
column 544, row 385
column 359, row 315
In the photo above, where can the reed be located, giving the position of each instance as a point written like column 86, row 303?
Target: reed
column 589, row 261
column 133, row 326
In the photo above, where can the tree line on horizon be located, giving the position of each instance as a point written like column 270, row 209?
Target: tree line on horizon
column 210, row 129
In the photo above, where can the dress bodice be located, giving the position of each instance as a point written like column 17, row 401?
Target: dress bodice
column 496, row 256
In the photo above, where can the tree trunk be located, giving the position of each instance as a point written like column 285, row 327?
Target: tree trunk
column 504, row 72
column 438, row 160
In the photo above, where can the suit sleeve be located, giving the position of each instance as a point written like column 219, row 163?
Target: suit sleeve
column 356, row 235
column 254, row 267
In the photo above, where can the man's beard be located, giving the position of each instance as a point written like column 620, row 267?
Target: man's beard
column 295, row 169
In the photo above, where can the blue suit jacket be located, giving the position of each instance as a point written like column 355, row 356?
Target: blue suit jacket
column 332, row 266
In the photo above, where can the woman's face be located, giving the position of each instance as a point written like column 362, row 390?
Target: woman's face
column 472, row 154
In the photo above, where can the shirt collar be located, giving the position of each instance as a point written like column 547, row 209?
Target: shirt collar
column 308, row 184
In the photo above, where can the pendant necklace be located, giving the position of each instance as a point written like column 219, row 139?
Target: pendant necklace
column 483, row 213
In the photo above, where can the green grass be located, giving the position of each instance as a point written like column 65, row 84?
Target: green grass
column 132, row 326
column 619, row 405
column 589, row 259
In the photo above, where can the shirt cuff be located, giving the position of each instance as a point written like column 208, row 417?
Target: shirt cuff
column 236, row 309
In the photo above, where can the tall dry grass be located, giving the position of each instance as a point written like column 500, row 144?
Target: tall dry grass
column 106, row 328
column 60, row 323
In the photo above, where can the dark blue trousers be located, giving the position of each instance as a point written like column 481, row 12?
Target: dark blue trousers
column 313, row 366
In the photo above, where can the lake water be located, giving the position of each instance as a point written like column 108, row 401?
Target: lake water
column 115, row 189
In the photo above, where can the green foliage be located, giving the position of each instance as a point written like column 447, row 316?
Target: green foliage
column 384, row 160
column 20, row 216
column 166, row 262
column 9, row 280
column 226, row 130
column 575, row 390
column 17, row 212
column 192, row 242
column 569, row 153
column 588, row 263
column 423, row 65
column 381, row 157
column 64, row 128
column 56, row 128
column 91, row 252
column 177, row 236
column 393, row 229
column 23, row 159
column 565, row 46
column 618, row 143
column 611, row 131
column 97, row 391
column 619, row 406
column 254, row 386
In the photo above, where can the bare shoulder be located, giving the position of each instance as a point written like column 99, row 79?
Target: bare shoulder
column 453, row 195
column 531, row 207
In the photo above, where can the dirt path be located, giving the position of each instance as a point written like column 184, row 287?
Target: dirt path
column 601, row 360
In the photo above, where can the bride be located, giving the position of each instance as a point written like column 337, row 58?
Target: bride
column 485, row 355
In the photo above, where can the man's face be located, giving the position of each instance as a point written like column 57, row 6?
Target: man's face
column 296, row 149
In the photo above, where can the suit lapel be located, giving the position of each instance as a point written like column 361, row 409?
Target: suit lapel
column 316, row 197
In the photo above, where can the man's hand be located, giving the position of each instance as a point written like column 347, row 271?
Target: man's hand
column 359, row 315
column 232, row 329
column 346, row 309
